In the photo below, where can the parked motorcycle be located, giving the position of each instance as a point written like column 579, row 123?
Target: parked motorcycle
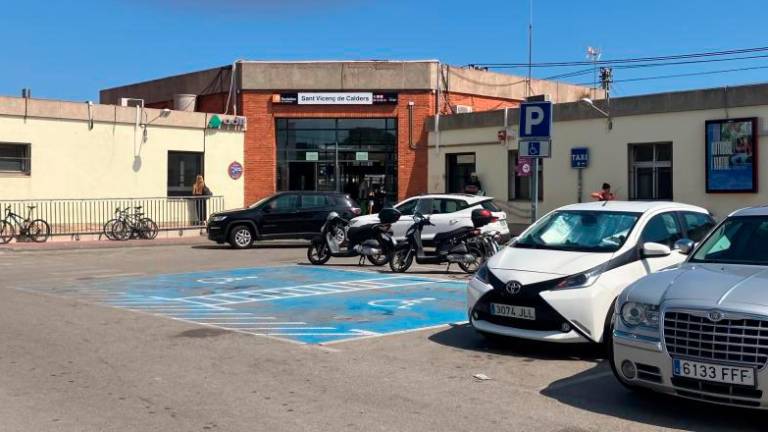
column 458, row 246
column 489, row 244
column 373, row 241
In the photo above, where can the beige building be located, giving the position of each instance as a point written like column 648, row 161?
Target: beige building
column 55, row 150
column 701, row 147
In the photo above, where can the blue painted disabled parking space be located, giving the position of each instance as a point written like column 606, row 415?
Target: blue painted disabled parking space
column 308, row 304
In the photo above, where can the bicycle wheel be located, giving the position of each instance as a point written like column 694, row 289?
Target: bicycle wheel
column 121, row 230
column 6, row 232
column 39, row 231
column 108, row 226
column 147, row 229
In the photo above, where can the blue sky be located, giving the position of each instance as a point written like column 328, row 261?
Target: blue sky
column 70, row 50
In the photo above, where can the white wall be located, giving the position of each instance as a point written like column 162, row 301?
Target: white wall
column 609, row 160
column 70, row 161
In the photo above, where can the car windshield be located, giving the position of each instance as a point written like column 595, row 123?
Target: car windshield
column 738, row 240
column 583, row 231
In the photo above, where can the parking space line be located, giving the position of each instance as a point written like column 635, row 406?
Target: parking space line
column 280, row 293
column 258, row 323
column 373, row 335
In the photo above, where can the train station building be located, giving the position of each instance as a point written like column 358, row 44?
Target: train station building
column 348, row 126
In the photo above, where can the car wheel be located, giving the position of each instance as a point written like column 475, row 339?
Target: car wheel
column 241, row 237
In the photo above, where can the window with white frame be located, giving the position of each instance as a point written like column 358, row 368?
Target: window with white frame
column 15, row 158
column 650, row 171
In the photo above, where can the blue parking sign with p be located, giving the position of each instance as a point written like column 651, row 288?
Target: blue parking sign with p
column 535, row 120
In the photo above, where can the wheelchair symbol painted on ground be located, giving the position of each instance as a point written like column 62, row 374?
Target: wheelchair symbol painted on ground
column 225, row 280
column 399, row 303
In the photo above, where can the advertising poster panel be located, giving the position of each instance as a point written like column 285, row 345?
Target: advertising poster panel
column 731, row 155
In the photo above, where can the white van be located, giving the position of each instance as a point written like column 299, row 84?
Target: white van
column 558, row 281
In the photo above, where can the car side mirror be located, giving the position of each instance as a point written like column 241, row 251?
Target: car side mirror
column 266, row 209
column 685, row 246
column 651, row 249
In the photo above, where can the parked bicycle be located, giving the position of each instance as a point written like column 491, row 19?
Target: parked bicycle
column 36, row 230
column 130, row 225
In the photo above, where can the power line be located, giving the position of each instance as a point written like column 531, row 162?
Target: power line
column 685, row 74
column 628, row 60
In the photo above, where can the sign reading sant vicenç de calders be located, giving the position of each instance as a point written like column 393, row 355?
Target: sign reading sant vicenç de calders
column 335, row 98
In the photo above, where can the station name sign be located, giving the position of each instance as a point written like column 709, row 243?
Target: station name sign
column 335, row 98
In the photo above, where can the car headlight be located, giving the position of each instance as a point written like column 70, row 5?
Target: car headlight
column 581, row 280
column 640, row 314
column 483, row 274
column 218, row 218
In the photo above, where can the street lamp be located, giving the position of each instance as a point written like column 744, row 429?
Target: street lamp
column 588, row 102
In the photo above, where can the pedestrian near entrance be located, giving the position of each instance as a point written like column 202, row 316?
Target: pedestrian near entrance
column 605, row 194
column 473, row 186
column 200, row 193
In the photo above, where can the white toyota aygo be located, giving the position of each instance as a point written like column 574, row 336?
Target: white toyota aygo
column 559, row 279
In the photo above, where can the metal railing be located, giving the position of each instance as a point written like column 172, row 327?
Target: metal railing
column 88, row 216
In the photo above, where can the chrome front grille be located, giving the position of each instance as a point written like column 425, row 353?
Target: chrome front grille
column 743, row 340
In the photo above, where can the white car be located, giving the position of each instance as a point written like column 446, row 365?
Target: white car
column 447, row 212
column 558, row 281
column 700, row 331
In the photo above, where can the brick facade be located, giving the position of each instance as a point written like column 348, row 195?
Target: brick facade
column 260, row 140
column 260, row 164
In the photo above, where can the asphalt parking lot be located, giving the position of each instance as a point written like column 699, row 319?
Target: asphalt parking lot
column 196, row 337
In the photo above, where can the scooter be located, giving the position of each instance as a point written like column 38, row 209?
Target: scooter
column 373, row 242
column 450, row 247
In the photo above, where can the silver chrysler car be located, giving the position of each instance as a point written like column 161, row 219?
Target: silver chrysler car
column 700, row 330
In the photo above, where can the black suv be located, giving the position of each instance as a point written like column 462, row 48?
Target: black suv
column 285, row 215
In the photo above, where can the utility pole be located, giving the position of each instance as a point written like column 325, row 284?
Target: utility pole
column 606, row 80
column 593, row 54
column 529, row 90
column 535, row 182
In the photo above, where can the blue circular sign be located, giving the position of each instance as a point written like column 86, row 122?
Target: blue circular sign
column 235, row 170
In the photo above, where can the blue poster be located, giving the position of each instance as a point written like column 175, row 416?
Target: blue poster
column 731, row 155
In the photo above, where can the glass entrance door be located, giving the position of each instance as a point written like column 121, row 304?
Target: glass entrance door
column 354, row 156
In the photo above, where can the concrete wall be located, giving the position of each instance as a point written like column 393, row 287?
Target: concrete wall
column 480, row 82
column 208, row 81
column 110, row 161
column 289, row 76
column 666, row 118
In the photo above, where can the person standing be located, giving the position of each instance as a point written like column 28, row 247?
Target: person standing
column 200, row 194
column 605, row 194
column 473, row 186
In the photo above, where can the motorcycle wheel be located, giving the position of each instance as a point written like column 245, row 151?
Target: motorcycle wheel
column 318, row 253
column 401, row 260
column 378, row 260
column 472, row 267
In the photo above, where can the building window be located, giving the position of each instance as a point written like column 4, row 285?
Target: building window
column 458, row 168
column 519, row 187
column 183, row 168
column 351, row 155
column 650, row 171
column 15, row 158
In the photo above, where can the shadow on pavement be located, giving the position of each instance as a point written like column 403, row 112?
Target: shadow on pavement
column 463, row 336
column 255, row 246
column 597, row 391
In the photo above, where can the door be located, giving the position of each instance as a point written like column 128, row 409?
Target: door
column 313, row 212
column 280, row 215
column 303, row 176
column 459, row 167
column 663, row 229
